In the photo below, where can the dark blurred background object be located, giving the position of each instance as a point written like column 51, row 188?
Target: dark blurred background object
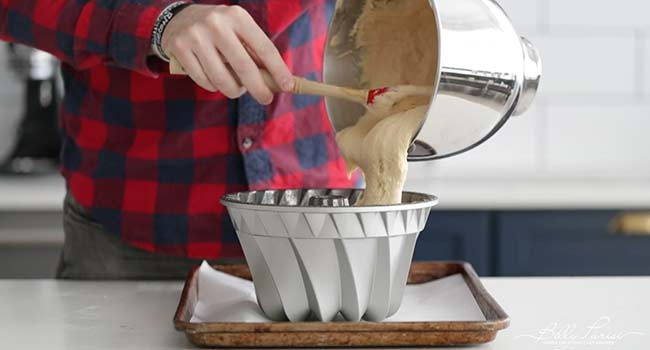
column 32, row 140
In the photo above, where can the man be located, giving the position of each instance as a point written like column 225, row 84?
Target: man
column 147, row 155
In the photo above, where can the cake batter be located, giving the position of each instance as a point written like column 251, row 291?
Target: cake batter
column 397, row 46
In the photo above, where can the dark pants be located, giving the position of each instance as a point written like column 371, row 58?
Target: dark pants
column 90, row 252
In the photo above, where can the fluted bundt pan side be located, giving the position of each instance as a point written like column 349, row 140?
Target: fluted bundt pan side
column 309, row 260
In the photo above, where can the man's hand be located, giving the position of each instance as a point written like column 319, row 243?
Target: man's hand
column 204, row 38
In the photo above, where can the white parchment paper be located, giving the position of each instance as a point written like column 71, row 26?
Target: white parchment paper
column 225, row 298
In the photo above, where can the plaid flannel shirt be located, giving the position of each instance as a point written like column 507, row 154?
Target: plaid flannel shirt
column 150, row 154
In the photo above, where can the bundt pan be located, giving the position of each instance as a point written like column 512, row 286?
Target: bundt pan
column 313, row 254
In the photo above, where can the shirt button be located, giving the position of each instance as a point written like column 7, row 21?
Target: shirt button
column 248, row 143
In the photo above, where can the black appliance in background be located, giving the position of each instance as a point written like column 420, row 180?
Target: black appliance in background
column 37, row 142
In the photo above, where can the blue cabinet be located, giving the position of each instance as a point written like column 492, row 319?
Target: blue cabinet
column 453, row 235
column 564, row 243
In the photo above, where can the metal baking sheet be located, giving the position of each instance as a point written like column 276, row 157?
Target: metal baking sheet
column 347, row 334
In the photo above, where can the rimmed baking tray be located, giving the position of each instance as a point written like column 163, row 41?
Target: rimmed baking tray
column 347, row 334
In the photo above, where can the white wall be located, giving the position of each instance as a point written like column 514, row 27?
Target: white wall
column 591, row 118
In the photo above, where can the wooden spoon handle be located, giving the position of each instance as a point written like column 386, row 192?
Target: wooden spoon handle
column 302, row 86
column 309, row 87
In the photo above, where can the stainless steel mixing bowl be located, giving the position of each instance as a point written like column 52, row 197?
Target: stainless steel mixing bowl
column 485, row 73
column 317, row 260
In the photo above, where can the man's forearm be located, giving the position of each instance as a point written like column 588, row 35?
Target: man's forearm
column 84, row 33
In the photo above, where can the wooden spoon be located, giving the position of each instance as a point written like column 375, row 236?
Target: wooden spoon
column 304, row 86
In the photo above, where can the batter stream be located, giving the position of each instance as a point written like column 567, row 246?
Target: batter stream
column 397, row 46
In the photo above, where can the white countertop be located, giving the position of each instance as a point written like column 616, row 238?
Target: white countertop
column 47, row 192
column 544, row 312
column 32, row 193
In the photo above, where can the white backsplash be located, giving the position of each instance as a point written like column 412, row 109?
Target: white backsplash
column 606, row 141
column 586, row 64
column 619, row 14
column 591, row 118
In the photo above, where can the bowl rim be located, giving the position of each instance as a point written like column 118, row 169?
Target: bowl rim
column 428, row 201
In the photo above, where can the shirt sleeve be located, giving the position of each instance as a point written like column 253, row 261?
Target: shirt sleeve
column 85, row 33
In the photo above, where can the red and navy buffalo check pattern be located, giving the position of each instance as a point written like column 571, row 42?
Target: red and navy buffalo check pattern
column 149, row 154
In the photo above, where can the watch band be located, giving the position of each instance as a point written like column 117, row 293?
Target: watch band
column 161, row 23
